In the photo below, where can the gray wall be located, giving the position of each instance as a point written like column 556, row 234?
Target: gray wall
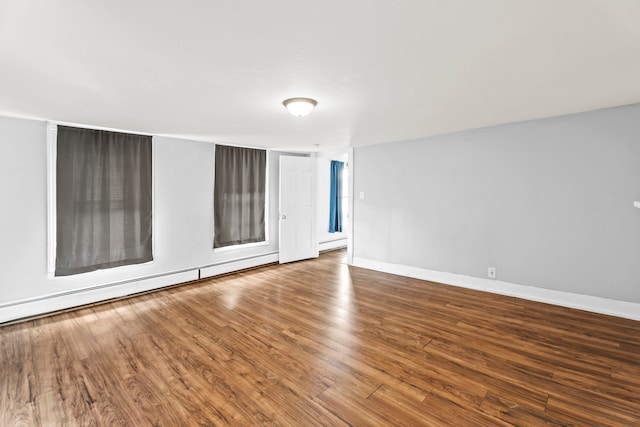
column 549, row 203
column 183, row 213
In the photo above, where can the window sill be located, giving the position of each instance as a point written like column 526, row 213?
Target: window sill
column 101, row 271
column 238, row 247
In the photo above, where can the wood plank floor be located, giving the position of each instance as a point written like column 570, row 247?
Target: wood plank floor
column 320, row 343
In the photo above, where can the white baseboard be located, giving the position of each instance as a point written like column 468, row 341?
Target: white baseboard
column 594, row 304
column 333, row 244
column 241, row 264
column 65, row 300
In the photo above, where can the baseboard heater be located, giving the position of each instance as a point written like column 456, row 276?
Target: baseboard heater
column 225, row 267
column 75, row 298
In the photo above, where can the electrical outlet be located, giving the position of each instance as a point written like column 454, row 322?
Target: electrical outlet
column 491, row 272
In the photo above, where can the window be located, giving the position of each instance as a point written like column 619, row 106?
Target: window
column 239, row 196
column 103, row 200
column 338, row 185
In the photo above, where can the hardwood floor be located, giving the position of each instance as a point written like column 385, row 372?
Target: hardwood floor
column 320, row 343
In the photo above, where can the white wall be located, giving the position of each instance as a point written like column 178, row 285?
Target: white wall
column 23, row 208
column 323, row 191
column 183, row 216
column 549, row 203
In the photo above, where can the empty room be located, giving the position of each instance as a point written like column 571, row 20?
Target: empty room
column 382, row 213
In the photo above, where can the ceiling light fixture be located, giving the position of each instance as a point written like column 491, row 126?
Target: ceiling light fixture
column 300, row 107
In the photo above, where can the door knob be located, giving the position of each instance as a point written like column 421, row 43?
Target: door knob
column 283, row 217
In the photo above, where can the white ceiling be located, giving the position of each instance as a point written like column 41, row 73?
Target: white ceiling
column 380, row 70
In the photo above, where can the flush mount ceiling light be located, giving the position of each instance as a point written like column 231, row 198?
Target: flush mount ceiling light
column 300, row 107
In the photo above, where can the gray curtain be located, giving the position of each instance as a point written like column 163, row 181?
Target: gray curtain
column 103, row 205
column 239, row 196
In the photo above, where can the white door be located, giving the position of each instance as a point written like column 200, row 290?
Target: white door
column 298, row 234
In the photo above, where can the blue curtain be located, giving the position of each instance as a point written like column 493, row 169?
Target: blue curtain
column 335, row 206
